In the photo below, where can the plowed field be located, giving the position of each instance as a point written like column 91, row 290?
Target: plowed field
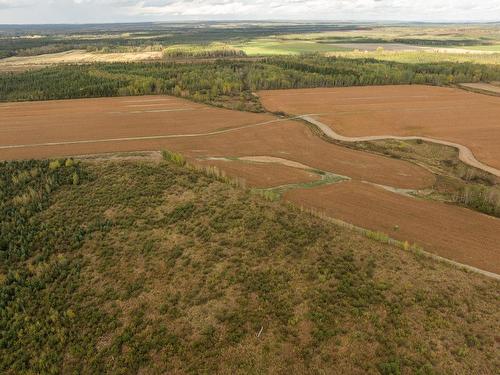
column 454, row 115
column 452, row 232
column 103, row 118
column 73, row 127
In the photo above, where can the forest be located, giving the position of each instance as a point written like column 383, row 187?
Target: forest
column 229, row 83
column 97, row 279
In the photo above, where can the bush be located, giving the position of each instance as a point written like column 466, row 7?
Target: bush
column 55, row 164
column 482, row 198
column 173, row 157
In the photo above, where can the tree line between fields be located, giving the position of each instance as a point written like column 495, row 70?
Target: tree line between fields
column 229, row 83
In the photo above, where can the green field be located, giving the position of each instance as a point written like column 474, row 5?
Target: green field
column 493, row 48
column 417, row 57
column 265, row 47
column 258, row 39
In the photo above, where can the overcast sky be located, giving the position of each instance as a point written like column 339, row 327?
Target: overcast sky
column 84, row 11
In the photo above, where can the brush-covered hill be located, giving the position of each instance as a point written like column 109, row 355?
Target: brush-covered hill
column 145, row 266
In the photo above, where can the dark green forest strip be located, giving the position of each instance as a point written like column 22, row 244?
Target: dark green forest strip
column 229, row 83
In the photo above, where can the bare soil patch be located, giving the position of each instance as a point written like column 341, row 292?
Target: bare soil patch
column 75, row 57
column 454, row 115
column 262, row 175
column 483, row 87
column 449, row 231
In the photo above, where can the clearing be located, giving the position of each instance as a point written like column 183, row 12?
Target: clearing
column 74, row 57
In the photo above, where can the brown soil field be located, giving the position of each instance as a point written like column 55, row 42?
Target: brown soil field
column 452, row 232
column 454, row 115
column 261, row 175
column 97, row 123
column 102, row 118
column 293, row 141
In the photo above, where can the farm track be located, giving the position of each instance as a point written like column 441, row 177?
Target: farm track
column 91, row 126
column 481, row 88
column 144, row 138
column 464, row 153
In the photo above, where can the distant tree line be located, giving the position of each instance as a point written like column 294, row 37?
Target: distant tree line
column 411, row 41
column 441, row 42
column 203, row 53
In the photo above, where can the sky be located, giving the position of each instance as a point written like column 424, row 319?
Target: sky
column 96, row 11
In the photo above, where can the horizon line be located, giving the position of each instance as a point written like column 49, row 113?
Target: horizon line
column 276, row 20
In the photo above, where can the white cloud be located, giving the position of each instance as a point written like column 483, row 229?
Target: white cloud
column 43, row 11
column 9, row 4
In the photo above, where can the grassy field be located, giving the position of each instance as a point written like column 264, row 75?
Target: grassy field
column 32, row 40
column 422, row 57
column 434, row 41
column 266, row 47
column 416, row 34
column 493, row 47
column 184, row 273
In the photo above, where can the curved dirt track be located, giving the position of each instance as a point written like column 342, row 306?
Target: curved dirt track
column 445, row 115
column 464, row 153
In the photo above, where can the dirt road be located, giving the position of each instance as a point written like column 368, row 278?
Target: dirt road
column 464, row 154
column 449, row 115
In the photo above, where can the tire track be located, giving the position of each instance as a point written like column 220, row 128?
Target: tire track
column 142, row 138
